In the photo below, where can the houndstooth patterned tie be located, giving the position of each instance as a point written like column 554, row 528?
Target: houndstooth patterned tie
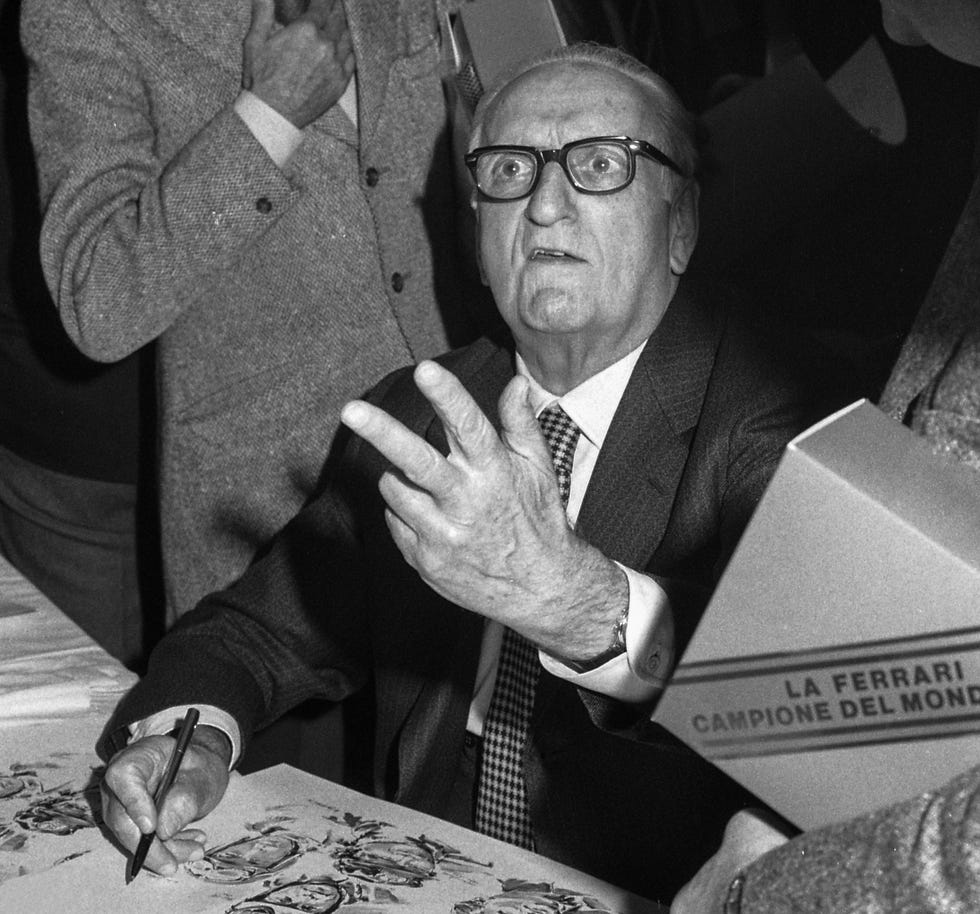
column 501, row 803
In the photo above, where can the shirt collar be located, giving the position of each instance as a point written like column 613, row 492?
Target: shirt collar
column 591, row 405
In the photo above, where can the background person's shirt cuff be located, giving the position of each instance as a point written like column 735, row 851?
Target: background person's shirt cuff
column 161, row 723
column 279, row 137
column 641, row 673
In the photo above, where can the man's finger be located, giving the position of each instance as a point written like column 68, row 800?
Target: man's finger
column 328, row 16
column 519, row 428
column 421, row 463
column 469, row 431
column 181, row 806
column 130, row 778
column 184, row 848
column 263, row 21
column 403, row 536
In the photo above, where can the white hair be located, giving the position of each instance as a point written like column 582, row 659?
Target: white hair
column 678, row 137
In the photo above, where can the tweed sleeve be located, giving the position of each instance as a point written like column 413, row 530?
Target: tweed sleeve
column 922, row 855
column 151, row 184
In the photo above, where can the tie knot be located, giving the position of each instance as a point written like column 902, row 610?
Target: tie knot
column 562, row 435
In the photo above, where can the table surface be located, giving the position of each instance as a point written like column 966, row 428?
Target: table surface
column 30, row 624
column 58, row 688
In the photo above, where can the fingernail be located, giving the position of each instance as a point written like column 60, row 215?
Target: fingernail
column 352, row 415
column 426, row 369
column 144, row 825
column 197, row 853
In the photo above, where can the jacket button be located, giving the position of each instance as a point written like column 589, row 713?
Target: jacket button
column 397, row 282
column 264, row 205
column 372, row 176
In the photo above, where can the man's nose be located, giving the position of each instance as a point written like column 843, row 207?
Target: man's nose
column 553, row 198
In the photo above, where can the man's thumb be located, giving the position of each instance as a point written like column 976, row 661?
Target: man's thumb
column 519, row 428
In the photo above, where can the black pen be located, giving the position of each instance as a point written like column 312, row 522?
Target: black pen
column 170, row 772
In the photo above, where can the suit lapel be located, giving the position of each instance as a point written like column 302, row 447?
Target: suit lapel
column 373, row 36
column 631, row 494
column 383, row 35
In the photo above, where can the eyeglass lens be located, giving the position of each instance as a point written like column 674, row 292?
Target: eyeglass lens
column 597, row 167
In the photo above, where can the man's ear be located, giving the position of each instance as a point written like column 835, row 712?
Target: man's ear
column 684, row 223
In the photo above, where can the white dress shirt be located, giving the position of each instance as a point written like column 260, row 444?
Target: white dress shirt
column 279, row 137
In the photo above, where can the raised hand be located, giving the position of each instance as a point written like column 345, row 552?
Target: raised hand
column 301, row 69
column 485, row 526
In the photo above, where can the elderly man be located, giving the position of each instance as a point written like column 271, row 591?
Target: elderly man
column 485, row 558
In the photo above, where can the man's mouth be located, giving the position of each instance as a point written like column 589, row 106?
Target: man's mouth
column 552, row 254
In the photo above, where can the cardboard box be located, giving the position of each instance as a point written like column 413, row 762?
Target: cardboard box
column 837, row 666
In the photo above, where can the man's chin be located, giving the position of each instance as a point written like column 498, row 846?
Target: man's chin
column 553, row 310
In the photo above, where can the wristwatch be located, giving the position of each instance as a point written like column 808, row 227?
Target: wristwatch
column 616, row 647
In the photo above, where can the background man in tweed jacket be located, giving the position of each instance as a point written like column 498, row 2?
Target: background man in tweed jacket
column 282, row 244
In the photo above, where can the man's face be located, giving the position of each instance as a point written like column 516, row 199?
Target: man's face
column 952, row 27
column 594, row 273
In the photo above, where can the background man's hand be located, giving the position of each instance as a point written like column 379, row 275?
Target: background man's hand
column 133, row 775
column 748, row 835
column 485, row 527
column 302, row 69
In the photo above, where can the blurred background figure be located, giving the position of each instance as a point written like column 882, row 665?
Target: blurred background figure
column 75, row 436
column 919, row 855
column 836, row 162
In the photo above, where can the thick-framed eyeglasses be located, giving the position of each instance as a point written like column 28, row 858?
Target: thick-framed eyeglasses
column 593, row 165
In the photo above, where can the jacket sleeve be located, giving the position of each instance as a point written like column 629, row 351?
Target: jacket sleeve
column 293, row 627
column 920, row 855
column 148, row 196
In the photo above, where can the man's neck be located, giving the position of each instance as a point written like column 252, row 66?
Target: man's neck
column 560, row 368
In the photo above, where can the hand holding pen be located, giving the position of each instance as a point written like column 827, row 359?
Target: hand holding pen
column 160, row 794
column 136, row 776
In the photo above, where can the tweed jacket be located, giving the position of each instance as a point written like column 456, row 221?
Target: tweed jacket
column 333, row 606
column 934, row 384
column 917, row 857
column 274, row 296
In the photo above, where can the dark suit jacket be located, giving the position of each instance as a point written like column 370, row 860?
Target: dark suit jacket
column 333, row 606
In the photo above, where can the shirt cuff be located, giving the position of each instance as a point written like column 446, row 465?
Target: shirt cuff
column 641, row 673
column 163, row 722
column 279, row 137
